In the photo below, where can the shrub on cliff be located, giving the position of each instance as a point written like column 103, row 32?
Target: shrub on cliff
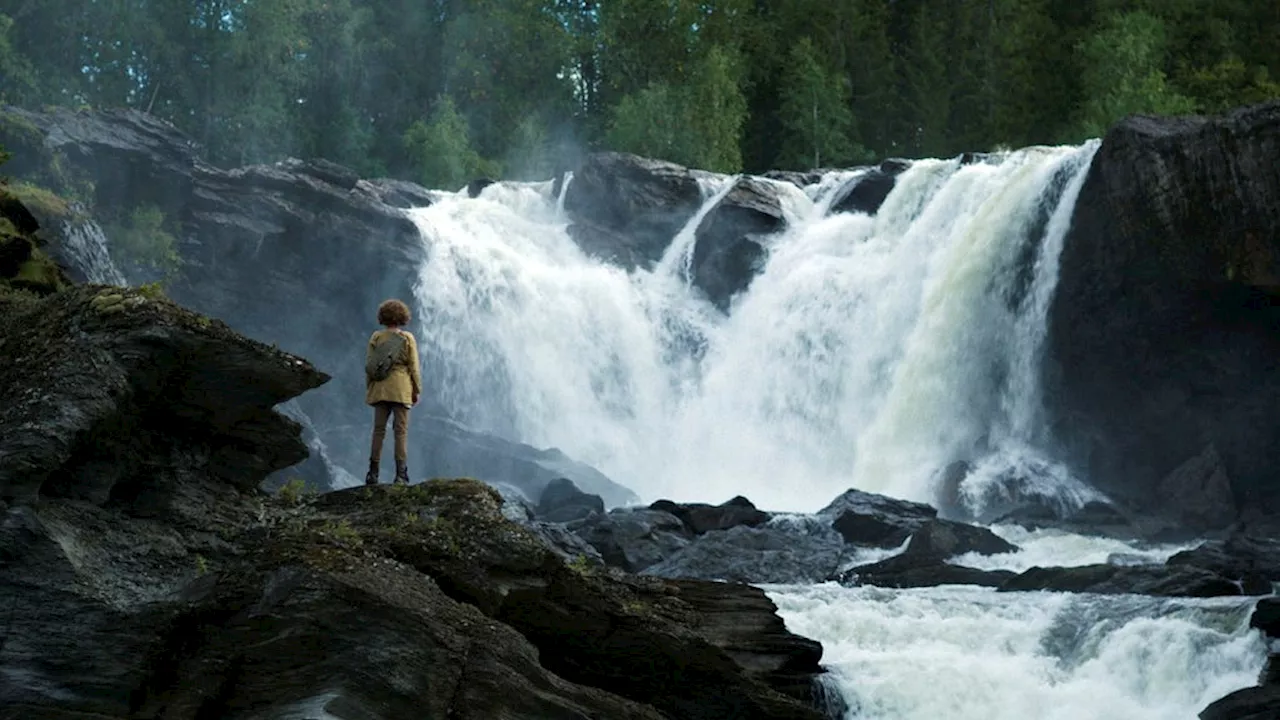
column 142, row 244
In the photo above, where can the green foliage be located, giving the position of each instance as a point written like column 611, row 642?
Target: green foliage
column 293, row 492
column 142, row 244
column 1229, row 83
column 44, row 203
column 442, row 149
column 719, row 84
column 816, row 113
column 698, row 124
column 1123, row 73
column 202, row 565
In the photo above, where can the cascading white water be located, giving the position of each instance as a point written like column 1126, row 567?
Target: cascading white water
column 961, row 653
column 85, row 246
column 870, row 352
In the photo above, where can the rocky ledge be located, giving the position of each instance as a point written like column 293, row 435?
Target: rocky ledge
column 143, row 574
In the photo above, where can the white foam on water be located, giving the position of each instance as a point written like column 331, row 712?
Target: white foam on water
column 972, row 653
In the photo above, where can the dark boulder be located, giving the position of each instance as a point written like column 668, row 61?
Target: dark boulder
column 562, row 502
column 784, row 550
column 701, row 518
column 1203, row 492
column 1166, row 322
column 743, row 621
column 914, row 571
column 1121, row 579
column 866, row 192
column 945, row 539
column 1266, row 617
column 642, row 200
column 138, row 378
column 477, row 186
column 864, row 518
column 801, row 179
column 729, row 250
column 1254, row 703
column 633, row 538
column 1097, row 518
column 399, row 193
column 1252, row 561
column 606, row 630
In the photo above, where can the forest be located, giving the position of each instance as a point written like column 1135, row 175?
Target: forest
column 440, row 91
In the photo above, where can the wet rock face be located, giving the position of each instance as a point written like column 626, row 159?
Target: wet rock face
column 1163, row 330
column 105, row 383
column 875, row 520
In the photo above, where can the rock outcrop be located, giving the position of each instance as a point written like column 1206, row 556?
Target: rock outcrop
column 730, row 248
column 144, row 574
column 1166, row 323
column 627, row 210
column 103, row 383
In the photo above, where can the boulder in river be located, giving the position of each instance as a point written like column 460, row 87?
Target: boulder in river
column 868, row 519
column 1162, row 334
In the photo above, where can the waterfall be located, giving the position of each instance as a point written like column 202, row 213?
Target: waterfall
column 961, row 653
column 870, row 351
column 678, row 259
column 84, row 247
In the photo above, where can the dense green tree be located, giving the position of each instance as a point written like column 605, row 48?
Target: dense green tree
column 442, row 149
column 816, row 114
column 1123, row 73
column 716, row 83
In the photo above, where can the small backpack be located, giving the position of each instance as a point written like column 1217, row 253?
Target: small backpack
column 383, row 357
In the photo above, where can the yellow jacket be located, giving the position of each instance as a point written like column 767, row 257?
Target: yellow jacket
column 405, row 380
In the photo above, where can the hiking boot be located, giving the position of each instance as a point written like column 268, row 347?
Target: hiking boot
column 402, row 475
column 371, row 478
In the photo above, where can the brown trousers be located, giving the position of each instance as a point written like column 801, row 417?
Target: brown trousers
column 400, row 426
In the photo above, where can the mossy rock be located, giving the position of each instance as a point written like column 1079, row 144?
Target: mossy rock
column 23, row 265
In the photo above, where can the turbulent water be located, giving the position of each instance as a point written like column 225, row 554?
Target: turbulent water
column 961, row 652
column 869, row 352
column 966, row 652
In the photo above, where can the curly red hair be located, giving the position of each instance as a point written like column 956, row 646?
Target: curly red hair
column 393, row 312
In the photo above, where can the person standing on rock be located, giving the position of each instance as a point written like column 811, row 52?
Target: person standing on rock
column 393, row 383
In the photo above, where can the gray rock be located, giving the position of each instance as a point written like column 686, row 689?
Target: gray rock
column 785, row 550
column 1162, row 331
column 1115, row 579
column 645, row 201
column 945, row 538
column 1254, row 703
column 701, row 518
column 868, row 519
column 633, row 538
column 561, row 501
column 1203, row 490
column 728, row 252
column 1252, row 561
column 867, row 192
column 914, row 571
column 138, row 377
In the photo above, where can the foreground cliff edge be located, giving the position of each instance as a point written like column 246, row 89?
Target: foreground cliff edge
column 143, row 574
